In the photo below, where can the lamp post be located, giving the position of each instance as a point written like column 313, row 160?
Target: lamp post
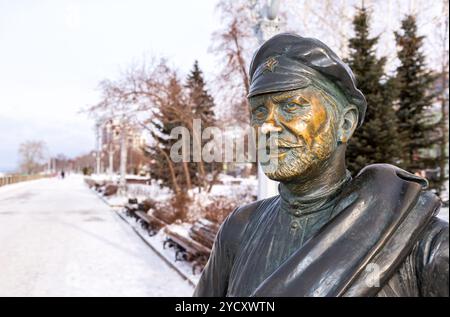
column 120, row 128
column 109, row 146
column 123, row 155
column 97, row 146
column 267, row 24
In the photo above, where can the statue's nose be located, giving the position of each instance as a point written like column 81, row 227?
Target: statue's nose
column 269, row 127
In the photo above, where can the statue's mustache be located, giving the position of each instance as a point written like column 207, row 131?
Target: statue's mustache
column 277, row 143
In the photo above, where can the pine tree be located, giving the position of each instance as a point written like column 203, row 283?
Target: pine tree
column 168, row 117
column 202, row 102
column 418, row 124
column 376, row 141
column 178, row 106
column 202, row 105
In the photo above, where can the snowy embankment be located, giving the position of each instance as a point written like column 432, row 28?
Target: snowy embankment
column 156, row 242
column 232, row 189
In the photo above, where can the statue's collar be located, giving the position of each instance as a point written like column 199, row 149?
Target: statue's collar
column 300, row 206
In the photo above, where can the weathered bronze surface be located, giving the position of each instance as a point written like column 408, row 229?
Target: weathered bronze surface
column 326, row 234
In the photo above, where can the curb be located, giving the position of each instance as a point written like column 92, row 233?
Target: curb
column 140, row 235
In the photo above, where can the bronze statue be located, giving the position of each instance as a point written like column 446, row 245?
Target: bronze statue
column 326, row 234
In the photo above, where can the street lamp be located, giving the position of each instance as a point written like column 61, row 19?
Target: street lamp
column 98, row 149
column 267, row 24
column 121, row 129
column 272, row 9
column 110, row 146
column 124, row 131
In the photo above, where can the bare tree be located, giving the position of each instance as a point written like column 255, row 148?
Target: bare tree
column 328, row 20
column 233, row 45
column 85, row 163
column 153, row 97
column 61, row 162
column 32, row 156
column 117, row 111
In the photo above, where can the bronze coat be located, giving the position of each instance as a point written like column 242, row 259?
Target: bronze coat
column 382, row 219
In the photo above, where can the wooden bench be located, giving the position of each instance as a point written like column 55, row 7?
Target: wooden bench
column 149, row 222
column 144, row 181
column 90, row 182
column 131, row 207
column 186, row 248
column 192, row 243
column 110, row 190
column 204, row 231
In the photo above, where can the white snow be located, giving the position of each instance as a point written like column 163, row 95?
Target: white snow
column 58, row 239
column 238, row 189
column 154, row 191
column 116, row 200
column 181, row 229
column 157, row 242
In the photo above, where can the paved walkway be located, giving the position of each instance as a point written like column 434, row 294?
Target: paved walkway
column 58, row 239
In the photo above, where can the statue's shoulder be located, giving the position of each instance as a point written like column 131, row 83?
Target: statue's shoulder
column 385, row 181
column 242, row 214
column 384, row 171
column 235, row 224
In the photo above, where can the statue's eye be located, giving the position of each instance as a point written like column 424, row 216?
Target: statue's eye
column 260, row 112
column 291, row 107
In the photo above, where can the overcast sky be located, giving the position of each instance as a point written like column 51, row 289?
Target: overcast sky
column 53, row 53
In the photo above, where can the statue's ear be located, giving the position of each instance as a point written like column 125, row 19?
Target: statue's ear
column 349, row 122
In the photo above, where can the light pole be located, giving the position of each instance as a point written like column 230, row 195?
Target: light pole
column 123, row 155
column 267, row 24
column 110, row 127
column 98, row 146
column 119, row 128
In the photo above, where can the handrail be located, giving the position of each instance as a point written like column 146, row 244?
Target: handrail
column 12, row 179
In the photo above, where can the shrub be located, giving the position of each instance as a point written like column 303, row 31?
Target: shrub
column 219, row 209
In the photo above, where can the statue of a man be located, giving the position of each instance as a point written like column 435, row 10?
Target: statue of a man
column 326, row 234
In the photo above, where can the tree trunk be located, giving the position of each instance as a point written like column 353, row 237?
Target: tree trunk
column 187, row 175
column 172, row 172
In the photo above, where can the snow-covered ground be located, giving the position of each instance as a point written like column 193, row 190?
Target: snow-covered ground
column 58, row 238
column 157, row 242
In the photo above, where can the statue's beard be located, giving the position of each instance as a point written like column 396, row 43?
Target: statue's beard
column 300, row 161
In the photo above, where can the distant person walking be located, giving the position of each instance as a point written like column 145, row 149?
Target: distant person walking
column 62, row 174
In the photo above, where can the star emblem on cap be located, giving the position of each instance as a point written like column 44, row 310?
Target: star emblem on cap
column 270, row 64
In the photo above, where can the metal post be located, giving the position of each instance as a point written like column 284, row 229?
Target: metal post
column 111, row 160
column 110, row 146
column 123, row 156
column 267, row 24
column 98, row 146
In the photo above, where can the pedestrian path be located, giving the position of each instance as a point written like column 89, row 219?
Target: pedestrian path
column 58, row 239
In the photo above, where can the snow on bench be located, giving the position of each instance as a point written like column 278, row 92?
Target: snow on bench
column 186, row 248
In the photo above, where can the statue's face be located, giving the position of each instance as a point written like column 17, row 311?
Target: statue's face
column 300, row 129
